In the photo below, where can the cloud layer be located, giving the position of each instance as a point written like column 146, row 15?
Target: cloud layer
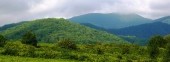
column 18, row 10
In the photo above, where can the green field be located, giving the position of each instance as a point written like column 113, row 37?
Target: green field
column 27, row 59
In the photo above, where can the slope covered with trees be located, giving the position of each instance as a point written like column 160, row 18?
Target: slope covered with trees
column 52, row 30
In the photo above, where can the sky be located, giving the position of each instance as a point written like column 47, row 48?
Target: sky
column 12, row 11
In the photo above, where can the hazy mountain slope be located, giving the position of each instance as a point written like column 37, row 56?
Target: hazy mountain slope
column 144, row 30
column 52, row 30
column 165, row 19
column 111, row 20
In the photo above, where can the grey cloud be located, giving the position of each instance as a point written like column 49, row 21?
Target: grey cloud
column 160, row 5
column 18, row 10
column 14, row 6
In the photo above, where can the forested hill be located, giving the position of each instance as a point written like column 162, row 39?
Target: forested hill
column 52, row 30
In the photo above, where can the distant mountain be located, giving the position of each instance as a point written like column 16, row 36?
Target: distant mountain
column 165, row 19
column 144, row 31
column 111, row 20
column 52, row 30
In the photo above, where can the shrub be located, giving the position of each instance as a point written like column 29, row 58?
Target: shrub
column 68, row 44
column 18, row 49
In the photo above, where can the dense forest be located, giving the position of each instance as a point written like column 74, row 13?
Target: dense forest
column 55, row 40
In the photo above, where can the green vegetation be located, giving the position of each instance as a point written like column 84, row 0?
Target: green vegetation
column 52, row 30
column 2, row 40
column 29, row 38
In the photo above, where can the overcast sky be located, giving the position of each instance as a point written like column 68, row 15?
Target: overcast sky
column 20, row 10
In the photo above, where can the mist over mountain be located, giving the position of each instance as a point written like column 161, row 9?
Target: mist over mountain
column 111, row 20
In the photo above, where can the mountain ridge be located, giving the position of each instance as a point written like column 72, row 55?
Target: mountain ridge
column 52, row 30
column 111, row 20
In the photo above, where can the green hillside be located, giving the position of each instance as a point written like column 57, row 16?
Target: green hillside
column 52, row 30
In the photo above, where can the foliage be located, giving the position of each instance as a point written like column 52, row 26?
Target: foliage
column 2, row 40
column 29, row 38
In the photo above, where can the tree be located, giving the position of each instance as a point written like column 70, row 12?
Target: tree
column 166, row 58
column 158, row 41
column 29, row 38
column 2, row 40
column 154, row 43
column 167, row 38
